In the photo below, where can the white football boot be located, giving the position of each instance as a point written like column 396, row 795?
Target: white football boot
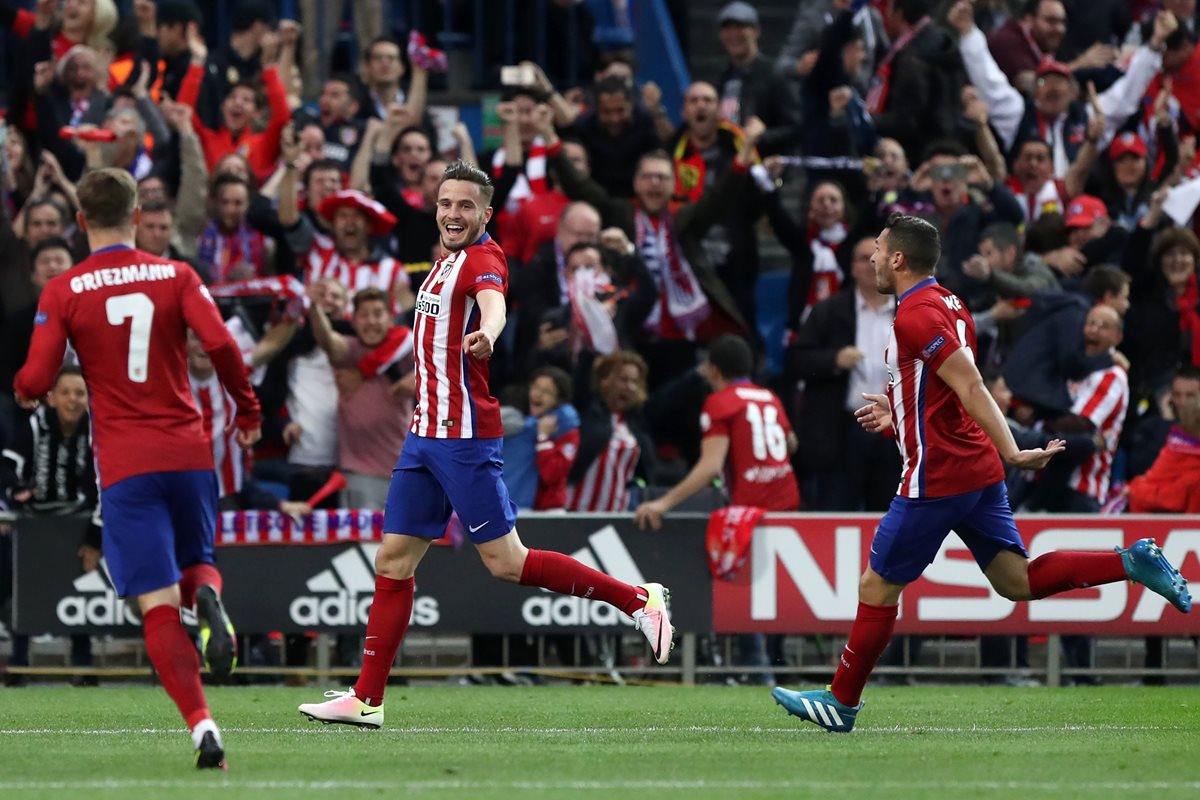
column 655, row 622
column 344, row 709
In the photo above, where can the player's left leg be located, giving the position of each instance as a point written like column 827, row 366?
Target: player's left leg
column 139, row 549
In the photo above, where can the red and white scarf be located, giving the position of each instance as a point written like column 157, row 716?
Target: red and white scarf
column 827, row 273
column 532, row 180
column 682, row 305
column 593, row 326
column 396, row 346
column 727, row 539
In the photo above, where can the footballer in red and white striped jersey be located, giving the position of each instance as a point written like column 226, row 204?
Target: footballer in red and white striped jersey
column 758, row 467
column 605, row 485
column 944, row 451
column 453, row 399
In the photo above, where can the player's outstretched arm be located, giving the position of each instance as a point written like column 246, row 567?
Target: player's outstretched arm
column 876, row 416
column 713, row 450
column 960, row 374
column 492, row 318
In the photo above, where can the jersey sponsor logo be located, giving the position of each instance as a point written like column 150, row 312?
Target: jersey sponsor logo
column 489, row 277
column 342, row 594
column 933, row 347
column 41, row 318
column 95, row 603
column 766, row 473
column 605, row 552
column 429, row 304
column 120, row 276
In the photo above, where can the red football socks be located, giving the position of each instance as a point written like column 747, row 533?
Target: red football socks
column 868, row 638
column 1063, row 571
column 386, row 626
column 563, row 574
column 194, row 577
column 174, row 657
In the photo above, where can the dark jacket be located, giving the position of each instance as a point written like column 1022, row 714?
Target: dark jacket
column 1050, row 353
column 960, row 241
column 614, row 159
column 691, row 222
column 760, row 91
column 812, row 358
column 923, row 98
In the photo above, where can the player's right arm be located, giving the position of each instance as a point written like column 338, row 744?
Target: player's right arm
column 201, row 315
column 45, row 351
column 958, row 371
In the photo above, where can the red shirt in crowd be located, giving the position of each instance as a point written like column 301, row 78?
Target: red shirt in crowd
column 261, row 149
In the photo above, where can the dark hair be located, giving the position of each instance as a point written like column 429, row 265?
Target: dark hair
column 614, row 85
column 320, row 165
column 251, row 11
column 378, row 40
column 1188, row 372
column 1047, row 232
column 732, row 357
column 532, row 92
column 1171, row 238
column 46, row 200
column 413, row 129
column 66, row 371
column 918, row 240
column 913, row 10
column 459, row 170
column 560, row 379
column 654, row 155
column 370, row 295
column 223, row 180
column 52, row 243
column 177, row 12
column 607, row 58
column 253, row 88
column 944, row 147
column 156, row 206
column 1002, row 235
column 579, row 247
column 1104, row 280
column 346, row 78
column 991, row 375
column 107, row 198
column 1030, row 8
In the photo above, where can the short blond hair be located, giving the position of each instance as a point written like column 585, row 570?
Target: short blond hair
column 107, row 198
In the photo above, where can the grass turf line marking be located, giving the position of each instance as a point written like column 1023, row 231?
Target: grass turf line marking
column 798, row 728
column 568, row 785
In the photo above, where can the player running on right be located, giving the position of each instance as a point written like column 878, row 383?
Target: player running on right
column 951, row 437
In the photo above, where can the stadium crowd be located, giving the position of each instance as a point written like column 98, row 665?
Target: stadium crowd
column 1052, row 143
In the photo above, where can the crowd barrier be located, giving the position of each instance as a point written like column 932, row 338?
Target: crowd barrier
column 801, row 577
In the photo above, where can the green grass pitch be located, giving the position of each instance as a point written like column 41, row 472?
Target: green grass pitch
column 609, row 742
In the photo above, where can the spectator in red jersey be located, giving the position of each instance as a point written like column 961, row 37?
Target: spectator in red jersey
column 238, row 111
column 747, row 439
column 614, row 443
column 228, row 245
column 374, row 374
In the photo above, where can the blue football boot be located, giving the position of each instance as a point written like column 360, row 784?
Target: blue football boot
column 1145, row 564
column 818, row 706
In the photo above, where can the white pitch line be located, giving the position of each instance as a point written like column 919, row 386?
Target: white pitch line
column 627, row 785
column 623, row 731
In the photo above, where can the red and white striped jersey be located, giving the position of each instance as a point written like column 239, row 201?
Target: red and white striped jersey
column 216, row 406
column 605, row 485
column 324, row 261
column 1103, row 398
column 944, row 450
column 453, row 399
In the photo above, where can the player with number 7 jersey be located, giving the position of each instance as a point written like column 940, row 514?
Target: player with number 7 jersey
column 126, row 313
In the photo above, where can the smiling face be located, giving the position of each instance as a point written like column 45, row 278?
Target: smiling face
column 42, row 222
column 351, row 231
column 622, row 388
column 826, row 207
column 1049, row 25
column 371, row 322
column 321, row 184
column 1177, row 265
column 239, row 108
column 1102, row 330
column 461, row 213
column 50, row 262
column 154, row 231
column 69, row 399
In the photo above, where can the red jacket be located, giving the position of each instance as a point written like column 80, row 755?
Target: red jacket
column 262, row 149
column 1172, row 485
column 554, row 460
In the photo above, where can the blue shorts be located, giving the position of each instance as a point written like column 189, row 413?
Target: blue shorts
column 433, row 476
column 911, row 533
column 156, row 524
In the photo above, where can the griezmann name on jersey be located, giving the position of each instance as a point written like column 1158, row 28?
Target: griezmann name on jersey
column 944, row 451
column 453, row 399
column 127, row 314
column 758, row 467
